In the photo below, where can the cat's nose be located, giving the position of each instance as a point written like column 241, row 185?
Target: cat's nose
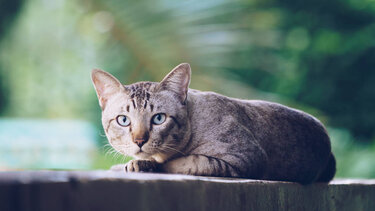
column 140, row 136
column 140, row 142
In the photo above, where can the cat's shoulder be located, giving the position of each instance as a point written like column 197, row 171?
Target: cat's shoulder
column 208, row 96
column 214, row 99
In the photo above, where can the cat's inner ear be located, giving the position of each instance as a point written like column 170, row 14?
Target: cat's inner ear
column 105, row 85
column 178, row 81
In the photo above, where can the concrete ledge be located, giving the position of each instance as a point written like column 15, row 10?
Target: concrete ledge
column 103, row 190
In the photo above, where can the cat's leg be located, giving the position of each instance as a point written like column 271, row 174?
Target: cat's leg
column 200, row 165
column 141, row 166
column 137, row 166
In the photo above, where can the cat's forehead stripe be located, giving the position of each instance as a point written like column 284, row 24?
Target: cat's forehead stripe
column 134, row 106
column 140, row 94
column 140, row 90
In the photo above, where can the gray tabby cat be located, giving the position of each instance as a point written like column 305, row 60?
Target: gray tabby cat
column 170, row 128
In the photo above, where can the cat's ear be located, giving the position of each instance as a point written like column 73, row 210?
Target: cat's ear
column 178, row 81
column 105, row 85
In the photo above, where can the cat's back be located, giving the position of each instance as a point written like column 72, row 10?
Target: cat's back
column 266, row 121
column 254, row 114
column 209, row 103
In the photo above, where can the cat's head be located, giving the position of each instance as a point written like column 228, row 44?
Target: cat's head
column 146, row 120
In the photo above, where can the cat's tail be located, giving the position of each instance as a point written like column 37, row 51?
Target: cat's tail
column 329, row 172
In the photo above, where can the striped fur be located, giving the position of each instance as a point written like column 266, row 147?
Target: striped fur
column 208, row 134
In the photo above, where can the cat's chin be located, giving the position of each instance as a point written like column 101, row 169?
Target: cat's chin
column 158, row 157
column 142, row 155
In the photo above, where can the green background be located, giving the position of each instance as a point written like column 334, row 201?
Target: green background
column 314, row 55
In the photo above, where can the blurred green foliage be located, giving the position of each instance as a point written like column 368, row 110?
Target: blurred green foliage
column 314, row 55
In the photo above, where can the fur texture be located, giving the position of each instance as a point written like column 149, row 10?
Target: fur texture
column 204, row 133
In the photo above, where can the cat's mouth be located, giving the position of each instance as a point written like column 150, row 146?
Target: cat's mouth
column 142, row 154
column 141, row 150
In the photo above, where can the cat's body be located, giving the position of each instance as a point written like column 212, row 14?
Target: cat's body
column 204, row 133
column 268, row 140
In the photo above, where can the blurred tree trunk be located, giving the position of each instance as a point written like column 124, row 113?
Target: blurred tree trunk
column 8, row 13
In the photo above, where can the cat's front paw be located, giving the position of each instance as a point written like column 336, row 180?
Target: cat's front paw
column 141, row 166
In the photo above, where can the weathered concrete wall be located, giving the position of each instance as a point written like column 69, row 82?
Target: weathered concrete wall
column 102, row 190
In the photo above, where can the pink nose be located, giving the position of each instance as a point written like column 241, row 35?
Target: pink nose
column 140, row 142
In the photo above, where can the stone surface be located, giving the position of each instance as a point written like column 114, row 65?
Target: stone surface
column 104, row 190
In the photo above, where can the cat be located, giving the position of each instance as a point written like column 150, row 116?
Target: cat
column 168, row 127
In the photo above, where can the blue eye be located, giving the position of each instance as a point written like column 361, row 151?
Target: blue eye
column 158, row 119
column 123, row 120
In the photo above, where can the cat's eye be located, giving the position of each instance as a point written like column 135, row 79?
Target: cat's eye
column 158, row 119
column 123, row 120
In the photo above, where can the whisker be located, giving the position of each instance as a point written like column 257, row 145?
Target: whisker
column 112, row 152
column 173, row 149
